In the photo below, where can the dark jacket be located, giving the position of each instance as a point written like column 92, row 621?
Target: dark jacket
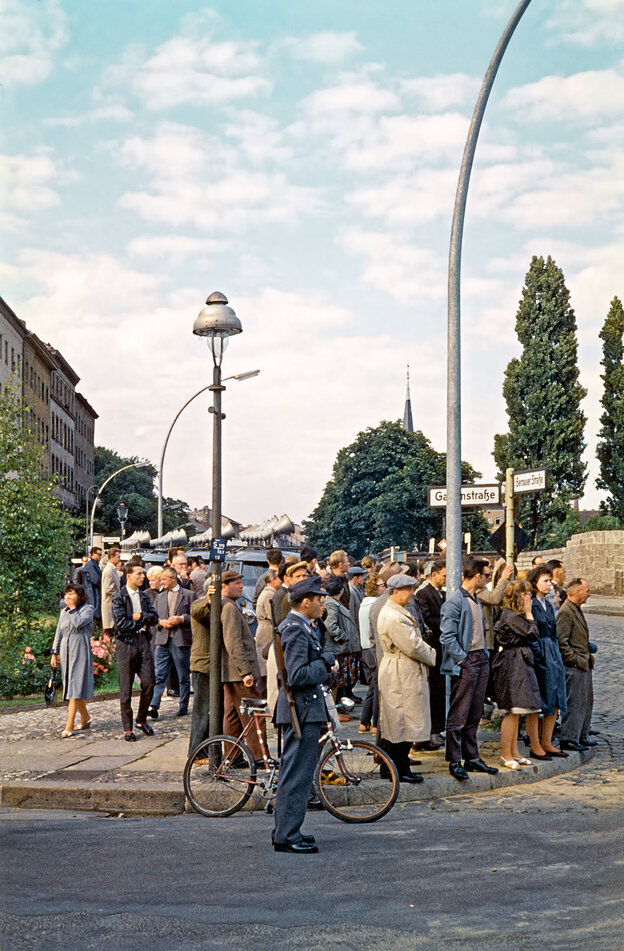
column 280, row 605
column 431, row 601
column 548, row 663
column 307, row 666
column 515, row 683
column 181, row 633
column 573, row 634
column 92, row 582
column 343, row 637
column 125, row 628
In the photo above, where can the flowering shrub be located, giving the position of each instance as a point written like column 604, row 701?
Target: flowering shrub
column 25, row 656
column 103, row 649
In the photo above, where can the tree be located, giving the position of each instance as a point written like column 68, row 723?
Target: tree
column 135, row 487
column 543, row 396
column 610, row 449
column 377, row 495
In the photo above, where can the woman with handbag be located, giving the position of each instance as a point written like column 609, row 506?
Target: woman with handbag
column 72, row 649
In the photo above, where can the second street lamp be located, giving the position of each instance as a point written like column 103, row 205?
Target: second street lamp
column 122, row 515
column 217, row 322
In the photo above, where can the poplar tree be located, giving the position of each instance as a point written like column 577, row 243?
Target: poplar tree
column 610, row 449
column 543, row 397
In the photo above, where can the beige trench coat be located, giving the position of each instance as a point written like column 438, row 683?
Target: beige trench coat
column 111, row 584
column 402, row 676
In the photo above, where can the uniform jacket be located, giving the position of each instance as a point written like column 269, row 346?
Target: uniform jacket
column 238, row 657
column 200, row 628
column 343, row 636
column 402, row 676
column 92, row 581
column 111, row 585
column 456, row 630
column 181, row 633
column 573, row 634
column 307, row 666
column 125, row 627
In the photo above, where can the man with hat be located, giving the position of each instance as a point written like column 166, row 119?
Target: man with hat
column 306, row 667
column 239, row 662
column 293, row 572
column 357, row 577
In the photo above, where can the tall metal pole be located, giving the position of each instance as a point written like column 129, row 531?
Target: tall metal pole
column 215, row 689
column 133, row 465
column 453, row 429
column 162, row 459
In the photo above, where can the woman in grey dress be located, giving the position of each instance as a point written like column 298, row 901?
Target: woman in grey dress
column 72, row 649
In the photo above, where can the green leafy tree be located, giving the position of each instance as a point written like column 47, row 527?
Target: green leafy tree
column 610, row 449
column 135, row 487
column 377, row 495
column 543, row 397
column 35, row 547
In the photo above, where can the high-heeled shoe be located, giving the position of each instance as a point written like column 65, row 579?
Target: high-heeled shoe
column 84, row 726
column 509, row 763
column 544, row 756
column 66, row 733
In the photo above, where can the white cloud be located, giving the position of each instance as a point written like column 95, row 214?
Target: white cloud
column 438, row 93
column 588, row 22
column 409, row 199
column 30, row 36
column 394, row 265
column 354, row 93
column 25, row 184
column 258, row 136
column 325, row 47
column 108, row 113
column 588, row 96
column 173, row 246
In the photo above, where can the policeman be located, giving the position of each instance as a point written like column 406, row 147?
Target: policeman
column 306, row 666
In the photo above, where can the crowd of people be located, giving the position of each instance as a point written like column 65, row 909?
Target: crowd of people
column 519, row 641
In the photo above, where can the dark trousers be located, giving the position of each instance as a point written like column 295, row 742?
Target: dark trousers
column 233, row 723
column 370, row 707
column 134, row 659
column 466, row 706
column 576, row 722
column 166, row 656
column 294, row 786
column 398, row 753
column 200, row 720
column 437, row 698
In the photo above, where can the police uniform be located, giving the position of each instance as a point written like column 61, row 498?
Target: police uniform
column 307, row 666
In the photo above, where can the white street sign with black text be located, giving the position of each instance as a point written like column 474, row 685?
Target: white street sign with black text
column 531, row 480
column 471, row 495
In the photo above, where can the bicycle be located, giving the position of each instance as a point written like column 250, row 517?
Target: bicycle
column 356, row 781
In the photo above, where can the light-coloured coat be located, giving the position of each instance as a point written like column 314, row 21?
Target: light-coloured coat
column 111, row 585
column 402, row 677
column 264, row 632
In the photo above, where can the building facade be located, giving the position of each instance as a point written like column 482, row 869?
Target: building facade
column 84, row 456
column 11, row 347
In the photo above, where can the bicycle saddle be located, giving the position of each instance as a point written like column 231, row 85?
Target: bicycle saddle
column 255, row 702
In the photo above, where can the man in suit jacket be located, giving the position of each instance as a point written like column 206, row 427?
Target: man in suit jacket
column 173, row 639
column 111, row 584
column 307, row 666
column 200, row 671
column 573, row 634
column 465, row 658
column 92, row 582
column 133, row 613
column 431, row 597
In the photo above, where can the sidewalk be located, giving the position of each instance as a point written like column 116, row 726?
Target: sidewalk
column 612, row 605
column 98, row 771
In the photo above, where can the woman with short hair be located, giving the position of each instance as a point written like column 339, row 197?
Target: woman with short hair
column 72, row 649
column 548, row 663
column 515, row 684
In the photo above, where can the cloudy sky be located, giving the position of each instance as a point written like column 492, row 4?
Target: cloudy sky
column 302, row 158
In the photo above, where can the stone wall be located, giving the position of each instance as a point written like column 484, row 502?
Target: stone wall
column 596, row 556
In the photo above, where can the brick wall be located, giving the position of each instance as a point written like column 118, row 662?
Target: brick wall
column 596, row 556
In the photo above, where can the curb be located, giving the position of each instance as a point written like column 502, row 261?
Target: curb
column 609, row 612
column 169, row 800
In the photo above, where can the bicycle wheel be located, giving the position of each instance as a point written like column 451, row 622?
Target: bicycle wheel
column 219, row 776
column 349, row 784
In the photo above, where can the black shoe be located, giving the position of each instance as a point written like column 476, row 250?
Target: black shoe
column 296, row 847
column 478, row 766
column 145, row 728
column 411, row 778
column 545, row 756
column 153, row 713
column 308, row 839
column 415, row 762
column 585, row 741
column 130, row 737
column 182, row 713
column 557, row 753
column 571, row 745
column 594, row 732
column 315, row 803
column 458, row 771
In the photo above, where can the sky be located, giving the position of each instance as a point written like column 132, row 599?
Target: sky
column 302, row 159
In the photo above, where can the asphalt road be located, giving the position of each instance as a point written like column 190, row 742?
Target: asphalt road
column 538, row 867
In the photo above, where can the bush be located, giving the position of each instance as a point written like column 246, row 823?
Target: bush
column 25, row 656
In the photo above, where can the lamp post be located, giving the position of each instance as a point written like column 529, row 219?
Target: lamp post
column 122, row 515
column 217, row 322
column 133, row 465
column 237, row 376
column 87, row 494
column 453, row 427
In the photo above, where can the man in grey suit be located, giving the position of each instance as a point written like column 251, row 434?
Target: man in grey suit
column 173, row 639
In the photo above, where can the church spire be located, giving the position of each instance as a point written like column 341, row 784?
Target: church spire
column 408, row 423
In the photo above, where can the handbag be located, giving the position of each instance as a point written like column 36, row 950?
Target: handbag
column 49, row 694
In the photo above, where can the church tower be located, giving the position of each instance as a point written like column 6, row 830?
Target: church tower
column 408, row 423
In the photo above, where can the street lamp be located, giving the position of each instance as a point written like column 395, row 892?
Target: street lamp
column 87, row 494
column 133, row 465
column 217, row 322
column 122, row 515
column 237, row 376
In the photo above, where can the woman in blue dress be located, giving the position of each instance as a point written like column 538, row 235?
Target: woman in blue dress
column 72, row 649
column 548, row 663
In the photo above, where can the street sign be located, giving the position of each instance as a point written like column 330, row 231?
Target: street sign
column 217, row 549
column 443, row 544
column 497, row 540
column 529, row 480
column 482, row 496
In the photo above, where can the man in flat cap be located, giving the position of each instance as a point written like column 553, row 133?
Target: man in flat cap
column 239, row 662
column 306, row 666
